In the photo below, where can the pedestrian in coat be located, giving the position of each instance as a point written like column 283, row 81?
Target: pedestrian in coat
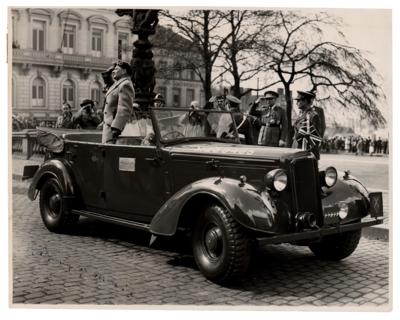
column 118, row 105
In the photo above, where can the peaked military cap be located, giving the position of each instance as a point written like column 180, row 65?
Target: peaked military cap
column 271, row 93
column 304, row 94
column 126, row 66
column 86, row 102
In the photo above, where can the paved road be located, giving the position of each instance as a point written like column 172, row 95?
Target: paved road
column 372, row 171
column 103, row 264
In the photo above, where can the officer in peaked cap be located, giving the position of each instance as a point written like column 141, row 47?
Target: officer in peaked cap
column 118, row 102
column 86, row 117
column 270, row 121
column 242, row 121
column 310, row 125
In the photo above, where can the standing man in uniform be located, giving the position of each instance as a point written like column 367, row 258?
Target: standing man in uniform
column 271, row 121
column 86, row 117
column 308, row 127
column 242, row 121
column 118, row 102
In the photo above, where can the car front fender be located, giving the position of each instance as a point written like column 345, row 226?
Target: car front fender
column 252, row 209
column 52, row 168
column 351, row 191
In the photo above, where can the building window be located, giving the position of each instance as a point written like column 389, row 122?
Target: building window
column 95, row 93
column 69, row 93
column 14, row 34
column 97, row 39
column 189, row 96
column 123, row 46
column 176, row 97
column 162, row 69
column 38, row 34
column 191, row 75
column 14, row 91
column 38, row 87
column 69, row 39
column 177, row 71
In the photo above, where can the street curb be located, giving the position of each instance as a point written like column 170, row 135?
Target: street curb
column 376, row 233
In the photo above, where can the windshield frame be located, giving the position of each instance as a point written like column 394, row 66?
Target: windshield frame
column 157, row 131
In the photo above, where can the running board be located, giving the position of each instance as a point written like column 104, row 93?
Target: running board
column 119, row 221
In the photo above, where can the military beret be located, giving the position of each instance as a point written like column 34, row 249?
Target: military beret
column 126, row 66
column 271, row 93
column 86, row 102
column 304, row 94
column 233, row 99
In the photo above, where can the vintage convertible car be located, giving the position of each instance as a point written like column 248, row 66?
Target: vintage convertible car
column 183, row 169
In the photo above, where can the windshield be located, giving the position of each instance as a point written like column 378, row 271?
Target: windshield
column 178, row 124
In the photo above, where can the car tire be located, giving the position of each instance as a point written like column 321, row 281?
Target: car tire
column 221, row 249
column 336, row 247
column 56, row 217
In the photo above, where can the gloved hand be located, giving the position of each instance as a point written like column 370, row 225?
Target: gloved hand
column 282, row 143
column 115, row 132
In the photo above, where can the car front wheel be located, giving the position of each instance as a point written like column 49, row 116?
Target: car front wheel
column 336, row 247
column 220, row 247
column 56, row 217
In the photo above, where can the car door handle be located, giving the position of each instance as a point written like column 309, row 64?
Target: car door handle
column 155, row 160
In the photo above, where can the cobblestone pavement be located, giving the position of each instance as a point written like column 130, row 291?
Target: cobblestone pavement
column 106, row 264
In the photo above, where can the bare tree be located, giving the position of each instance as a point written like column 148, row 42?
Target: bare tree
column 202, row 29
column 296, row 48
column 240, row 48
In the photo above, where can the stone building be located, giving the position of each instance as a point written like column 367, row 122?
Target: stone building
column 58, row 55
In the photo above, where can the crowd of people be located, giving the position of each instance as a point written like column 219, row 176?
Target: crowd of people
column 355, row 144
column 265, row 123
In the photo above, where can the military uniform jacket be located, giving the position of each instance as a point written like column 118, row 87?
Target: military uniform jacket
column 273, row 123
column 119, row 103
column 316, row 129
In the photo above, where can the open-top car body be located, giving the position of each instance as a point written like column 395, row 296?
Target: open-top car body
column 184, row 169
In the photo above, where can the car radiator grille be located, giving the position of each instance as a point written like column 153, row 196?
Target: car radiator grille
column 305, row 188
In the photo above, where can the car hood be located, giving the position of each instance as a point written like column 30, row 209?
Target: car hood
column 232, row 150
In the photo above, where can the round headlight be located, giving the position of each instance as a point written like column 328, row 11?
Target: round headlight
column 280, row 181
column 330, row 177
column 276, row 179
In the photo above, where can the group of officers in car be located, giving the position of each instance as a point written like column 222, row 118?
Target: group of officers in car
column 264, row 124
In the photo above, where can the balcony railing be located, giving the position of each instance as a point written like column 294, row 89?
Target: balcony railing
column 25, row 143
column 59, row 59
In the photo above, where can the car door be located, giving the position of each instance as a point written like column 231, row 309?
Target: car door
column 135, row 181
column 87, row 163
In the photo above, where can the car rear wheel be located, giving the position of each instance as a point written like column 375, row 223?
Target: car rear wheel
column 336, row 247
column 56, row 217
column 220, row 247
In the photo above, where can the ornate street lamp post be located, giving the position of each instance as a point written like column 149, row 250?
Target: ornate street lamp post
column 144, row 23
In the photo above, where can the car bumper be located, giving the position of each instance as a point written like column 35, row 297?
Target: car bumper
column 319, row 233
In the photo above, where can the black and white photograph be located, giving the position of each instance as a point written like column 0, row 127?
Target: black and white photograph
column 200, row 158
